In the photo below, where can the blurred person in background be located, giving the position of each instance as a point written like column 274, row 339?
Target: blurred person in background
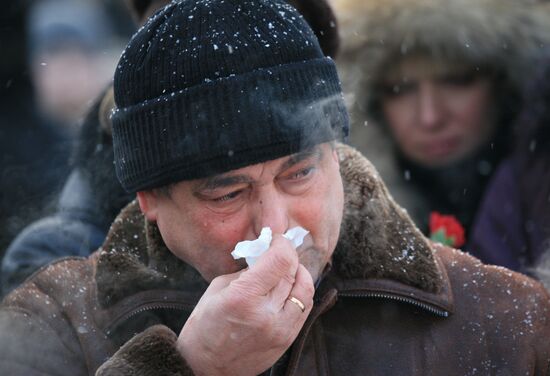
column 92, row 196
column 34, row 151
column 434, row 86
column 90, row 199
column 68, row 51
column 72, row 56
column 512, row 227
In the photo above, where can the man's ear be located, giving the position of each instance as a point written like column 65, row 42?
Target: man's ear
column 148, row 202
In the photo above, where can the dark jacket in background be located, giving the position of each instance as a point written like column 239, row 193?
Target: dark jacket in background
column 75, row 229
column 34, row 163
column 90, row 200
column 513, row 224
column 393, row 303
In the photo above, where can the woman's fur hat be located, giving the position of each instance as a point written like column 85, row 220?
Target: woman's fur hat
column 501, row 35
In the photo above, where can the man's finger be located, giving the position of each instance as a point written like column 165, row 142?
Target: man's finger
column 279, row 262
column 219, row 283
column 223, row 281
column 280, row 293
column 302, row 292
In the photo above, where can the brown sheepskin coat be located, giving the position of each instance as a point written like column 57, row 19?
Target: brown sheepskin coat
column 393, row 304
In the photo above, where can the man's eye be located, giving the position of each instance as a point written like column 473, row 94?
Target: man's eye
column 302, row 173
column 227, row 197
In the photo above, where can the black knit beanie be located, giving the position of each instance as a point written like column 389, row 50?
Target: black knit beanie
column 208, row 86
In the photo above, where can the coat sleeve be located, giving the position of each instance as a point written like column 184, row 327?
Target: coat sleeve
column 30, row 347
column 152, row 352
column 44, row 241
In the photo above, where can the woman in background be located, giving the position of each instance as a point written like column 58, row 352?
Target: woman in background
column 434, row 86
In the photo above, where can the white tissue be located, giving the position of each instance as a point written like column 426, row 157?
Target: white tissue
column 251, row 250
column 296, row 235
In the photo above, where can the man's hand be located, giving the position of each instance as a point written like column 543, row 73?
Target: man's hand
column 244, row 321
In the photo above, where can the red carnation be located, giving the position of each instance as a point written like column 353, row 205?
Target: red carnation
column 446, row 229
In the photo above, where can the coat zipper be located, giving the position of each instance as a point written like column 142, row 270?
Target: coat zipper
column 147, row 307
column 414, row 302
column 187, row 307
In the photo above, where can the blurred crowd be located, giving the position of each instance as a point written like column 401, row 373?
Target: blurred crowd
column 448, row 98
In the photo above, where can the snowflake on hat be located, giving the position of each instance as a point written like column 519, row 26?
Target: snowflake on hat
column 446, row 229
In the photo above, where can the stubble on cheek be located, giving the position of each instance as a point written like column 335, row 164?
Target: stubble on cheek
column 313, row 259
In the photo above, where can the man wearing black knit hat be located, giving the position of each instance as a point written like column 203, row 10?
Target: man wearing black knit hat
column 223, row 129
column 226, row 125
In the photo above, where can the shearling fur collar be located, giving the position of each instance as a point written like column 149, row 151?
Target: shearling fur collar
column 377, row 240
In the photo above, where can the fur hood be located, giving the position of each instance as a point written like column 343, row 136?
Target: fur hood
column 504, row 34
column 377, row 240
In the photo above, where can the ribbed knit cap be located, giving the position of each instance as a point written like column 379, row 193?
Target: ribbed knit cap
column 208, row 86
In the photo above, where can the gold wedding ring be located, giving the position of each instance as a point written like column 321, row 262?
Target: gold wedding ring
column 297, row 302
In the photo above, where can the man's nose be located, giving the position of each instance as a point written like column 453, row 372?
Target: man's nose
column 430, row 111
column 270, row 210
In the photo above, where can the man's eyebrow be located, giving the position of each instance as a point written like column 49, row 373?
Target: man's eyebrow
column 221, row 181
column 313, row 152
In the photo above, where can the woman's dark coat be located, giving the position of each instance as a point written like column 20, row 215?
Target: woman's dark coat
column 513, row 224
